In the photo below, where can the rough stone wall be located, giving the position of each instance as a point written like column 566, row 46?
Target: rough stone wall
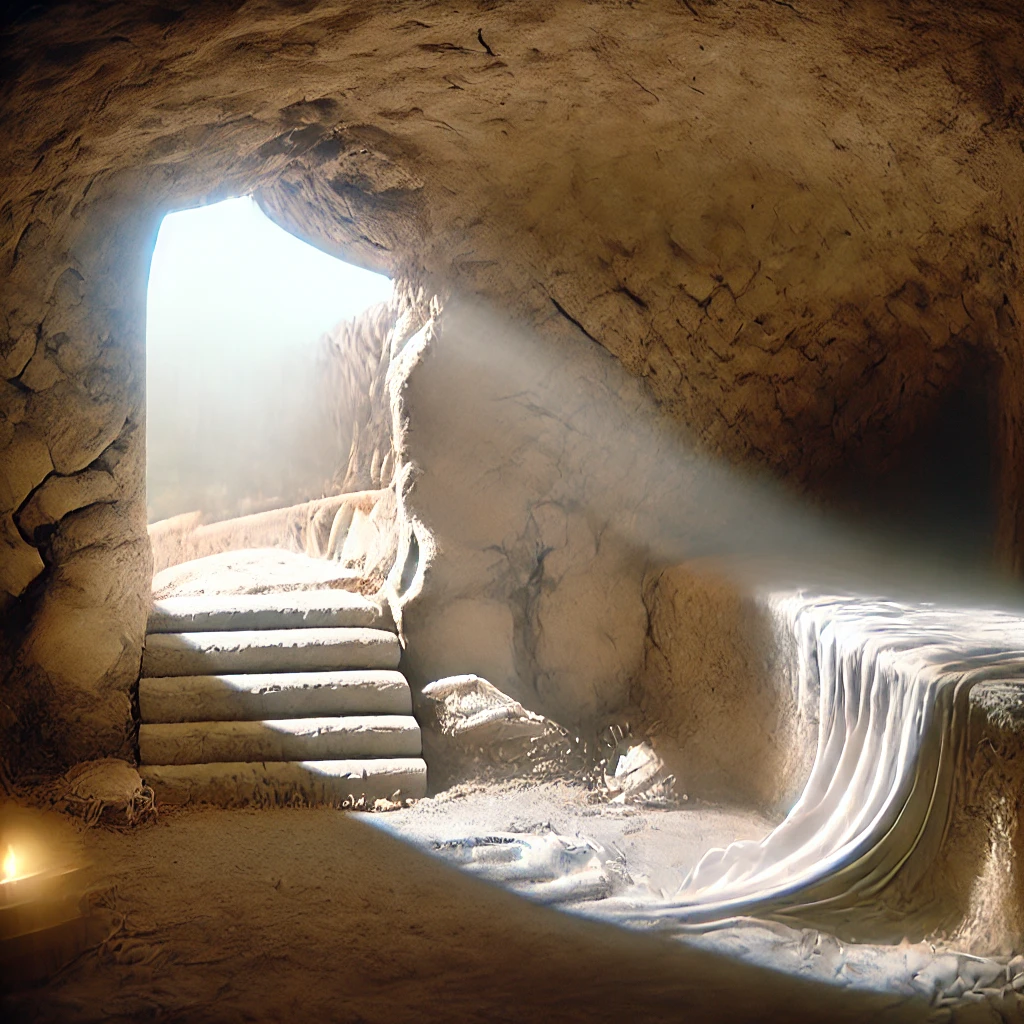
column 718, row 691
column 75, row 551
column 354, row 358
column 794, row 221
column 983, row 861
column 526, row 471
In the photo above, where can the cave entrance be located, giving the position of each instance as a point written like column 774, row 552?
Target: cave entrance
column 270, row 666
column 239, row 419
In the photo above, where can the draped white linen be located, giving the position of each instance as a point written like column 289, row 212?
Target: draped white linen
column 892, row 682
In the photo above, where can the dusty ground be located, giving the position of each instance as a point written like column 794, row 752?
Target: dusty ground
column 658, row 846
column 319, row 915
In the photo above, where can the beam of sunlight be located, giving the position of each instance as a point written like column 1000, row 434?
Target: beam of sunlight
column 571, row 424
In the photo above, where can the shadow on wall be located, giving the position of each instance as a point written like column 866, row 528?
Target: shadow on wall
column 940, row 486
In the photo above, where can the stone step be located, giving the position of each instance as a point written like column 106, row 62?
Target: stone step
column 237, row 783
column 268, row 650
column 291, row 739
column 300, row 609
column 257, row 695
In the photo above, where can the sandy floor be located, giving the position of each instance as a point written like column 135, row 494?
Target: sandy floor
column 318, row 915
column 658, row 846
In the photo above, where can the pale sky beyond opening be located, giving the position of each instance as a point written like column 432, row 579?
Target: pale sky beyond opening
column 237, row 414
column 229, row 273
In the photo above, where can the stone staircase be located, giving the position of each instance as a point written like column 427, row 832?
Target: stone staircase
column 268, row 698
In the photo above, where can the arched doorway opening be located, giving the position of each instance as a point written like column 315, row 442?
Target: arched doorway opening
column 239, row 417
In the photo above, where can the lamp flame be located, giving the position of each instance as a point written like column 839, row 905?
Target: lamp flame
column 10, row 865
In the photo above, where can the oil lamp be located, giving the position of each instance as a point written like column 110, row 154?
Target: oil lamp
column 41, row 888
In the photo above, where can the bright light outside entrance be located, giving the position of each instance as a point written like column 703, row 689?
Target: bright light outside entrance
column 236, row 420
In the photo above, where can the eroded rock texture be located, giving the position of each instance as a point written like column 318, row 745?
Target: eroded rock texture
column 720, row 694
column 798, row 223
column 523, row 490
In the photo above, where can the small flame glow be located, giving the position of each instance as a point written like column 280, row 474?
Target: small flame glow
column 10, row 865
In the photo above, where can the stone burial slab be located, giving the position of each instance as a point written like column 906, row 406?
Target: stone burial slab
column 255, row 695
column 269, row 650
column 296, row 739
column 238, row 783
column 301, row 609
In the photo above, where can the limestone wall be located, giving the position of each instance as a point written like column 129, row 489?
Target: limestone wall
column 719, row 691
column 353, row 360
column 530, row 580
